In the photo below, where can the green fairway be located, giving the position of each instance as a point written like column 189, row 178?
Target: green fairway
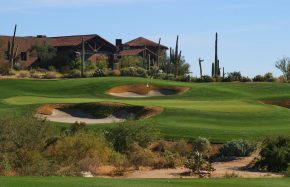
column 218, row 111
column 83, row 182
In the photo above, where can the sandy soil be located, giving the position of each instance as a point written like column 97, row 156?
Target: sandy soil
column 151, row 93
column 145, row 90
column 222, row 168
column 73, row 115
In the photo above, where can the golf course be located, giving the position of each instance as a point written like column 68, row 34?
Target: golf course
column 217, row 111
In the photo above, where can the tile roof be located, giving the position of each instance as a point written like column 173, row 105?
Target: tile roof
column 131, row 52
column 143, row 42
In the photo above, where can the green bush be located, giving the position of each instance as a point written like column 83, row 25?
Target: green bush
column 246, row 79
column 259, row 78
column 141, row 72
column 181, row 147
column 275, row 154
column 130, row 71
column 75, row 73
column 22, row 146
column 202, row 145
column 234, row 76
column 238, row 148
column 205, row 78
column 50, row 75
column 23, row 74
column 130, row 61
column 4, row 68
column 125, row 134
column 170, row 77
column 80, row 152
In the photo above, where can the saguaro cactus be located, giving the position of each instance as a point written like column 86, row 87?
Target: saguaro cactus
column 216, row 72
column 12, row 52
column 200, row 66
column 175, row 56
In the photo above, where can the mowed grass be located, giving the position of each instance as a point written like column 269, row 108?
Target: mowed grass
column 218, row 111
column 85, row 182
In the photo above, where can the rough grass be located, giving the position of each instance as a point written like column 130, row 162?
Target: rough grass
column 80, row 182
column 218, row 111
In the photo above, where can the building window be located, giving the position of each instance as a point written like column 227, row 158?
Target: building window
column 23, row 56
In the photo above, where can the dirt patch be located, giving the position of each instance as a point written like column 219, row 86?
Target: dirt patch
column 283, row 103
column 94, row 113
column 236, row 167
column 146, row 90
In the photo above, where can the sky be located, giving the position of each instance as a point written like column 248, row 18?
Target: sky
column 253, row 34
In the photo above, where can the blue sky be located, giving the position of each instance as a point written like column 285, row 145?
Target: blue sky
column 253, row 33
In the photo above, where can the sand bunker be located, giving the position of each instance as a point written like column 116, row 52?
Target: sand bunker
column 143, row 90
column 95, row 113
column 282, row 103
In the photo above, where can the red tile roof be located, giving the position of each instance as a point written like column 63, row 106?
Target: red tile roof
column 138, row 42
column 131, row 52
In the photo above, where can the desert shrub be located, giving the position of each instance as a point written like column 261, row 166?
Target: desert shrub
column 181, row 147
column 238, row 148
column 170, row 77
column 231, row 175
column 50, row 75
column 138, row 156
column 160, row 146
column 202, row 145
column 51, row 68
column 269, row 77
column 205, row 78
column 129, row 71
column 90, row 66
column 36, row 74
column 115, row 73
column 197, row 164
column 141, row 72
column 167, row 159
column 259, row 78
column 246, row 79
column 22, row 146
column 88, row 74
column 130, row 61
column 275, row 154
column 80, row 152
column 75, row 64
column 128, row 133
column 75, row 73
column 23, row 74
column 4, row 68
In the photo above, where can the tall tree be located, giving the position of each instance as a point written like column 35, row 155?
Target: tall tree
column 284, row 66
column 45, row 52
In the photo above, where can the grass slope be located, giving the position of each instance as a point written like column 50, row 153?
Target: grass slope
column 80, row 182
column 219, row 111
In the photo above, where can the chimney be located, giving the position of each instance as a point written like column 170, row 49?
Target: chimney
column 119, row 44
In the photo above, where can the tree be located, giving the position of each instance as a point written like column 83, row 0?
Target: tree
column 284, row 66
column 235, row 76
column 45, row 53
